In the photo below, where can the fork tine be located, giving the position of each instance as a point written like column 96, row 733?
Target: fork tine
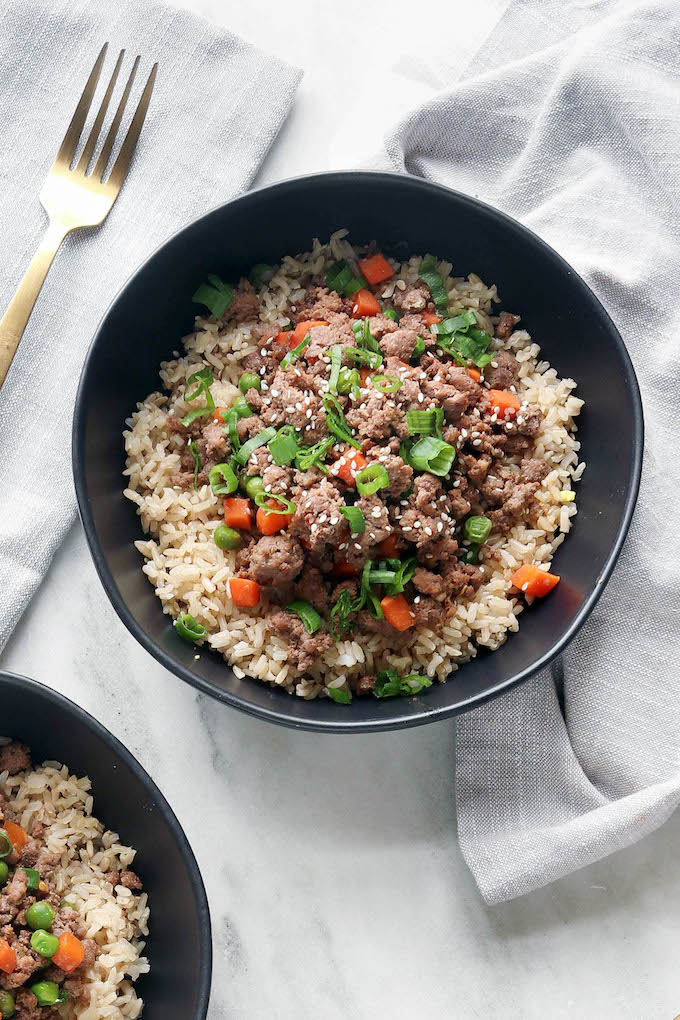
column 120, row 167
column 68, row 146
column 105, row 154
column 86, row 154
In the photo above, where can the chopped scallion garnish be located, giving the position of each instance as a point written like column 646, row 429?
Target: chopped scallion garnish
column 388, row 684
column 403, row 575
column 357, row 521
column 336, row 365
column 371, row 358
column 428, row 274
column 335, row 420
column 296, row 352
column 422, row 422
column 341, row 278
column 433, row 455
column 390, row 313
column 284, row 446
column 286, row 506
column 216, row 295
column 349, row 381
column 340, row 695
column 477, row 529
column 307, row 613
column 189, row 628
column 312, row 456
column 371, row 478
column 196, row 454
column 203, row 380
column 386, row 383
column 223, row 480
column 419, row 349
column 254, row 444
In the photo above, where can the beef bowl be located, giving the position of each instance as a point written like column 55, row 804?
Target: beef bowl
column 96, row 874
column 344, row 425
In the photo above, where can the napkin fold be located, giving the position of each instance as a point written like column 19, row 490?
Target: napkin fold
column 567, row 118
column 216, row 108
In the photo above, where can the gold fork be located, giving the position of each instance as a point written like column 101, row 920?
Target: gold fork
column 74, row 198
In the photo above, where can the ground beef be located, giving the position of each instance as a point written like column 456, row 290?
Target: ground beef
column 380, row 325
column 303, row 648
column 378, row 527
column 319, row 303
column 337, row 331
column 16, row 887
column 376, row 417
column 502, row 372
column 14, row 757
column 414, row 298
column 399, row 473
column 292, row 398
column 534, row 470
column 277, row 479
column 244, row 306
column 476, row 468
column 28, row 1009
column 312, row 587
column 506, row 324
column 365, row 685
column 429, row 583
column 450, row 386
column 318, row 521
column 275, row 559
column 130, row 880
column 399, row 344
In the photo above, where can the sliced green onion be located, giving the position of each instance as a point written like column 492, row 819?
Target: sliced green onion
column 371, row 358
column 340, row 614
column 203, row 379
column 341, row 278
column 335, row 421
column 362, row 334
column 5, row 844
column 374, row 606
column 311, row 456
column 349, row 382
column 249, row 381
column 284, row 446
column 421, row 422
column 307, row 614
column 419, row 349
column 254, row 444
column 456, row 322
column 357, row 521
column 296, row 352
column 471, row 554
column 433, row 455
column 390, row 313
column 338, row 694
column 477, row 529
column 336, row 365
column 403, row 575
column 189, row 628
column 262, row 500
column 372, row 478
column 260, row 274
column 33, row 878
column 216, row 295
column 223, row 480
column 196, row 454
column 379, row 576
column 386, row 383
column 428, row 274
column 388, row 684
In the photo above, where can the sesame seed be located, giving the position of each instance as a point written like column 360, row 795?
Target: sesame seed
column 509, row 426
column 416, row 524
column 525, row 586
column 417, row 599
column 440, row 526
column 357, row 546
column 275, row 393
column 334, row 520
column 376, row 512
column 476, row 442
column 428, row 531
column 494, row 364
column 406, row 528
column 323, row 518
column 263, row 352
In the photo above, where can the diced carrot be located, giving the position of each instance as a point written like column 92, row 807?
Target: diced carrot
column 504, row 402
column 348, row 466
column 365, row 303
column 292, row 337
column 244, row 593
column 286, row 337
column 238, row 513
column 430, row 318
column 533, row 581
column 388, row 548
column 218, row 412
column 364, row 374
column 16, row 834
column 341, row 568
column 269, row 523
column 474, row 374
column 8, row 958
column 397, row 612
column 376, row 268
column 70, row 954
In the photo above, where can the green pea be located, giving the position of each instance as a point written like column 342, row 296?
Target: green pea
column 226, row 537
column 44, row 942
column 7, row 1007
column 477, row 529
column 39, row 915
column 254, row 485
column 249, row 381
column 46, row 992
column 4, row 872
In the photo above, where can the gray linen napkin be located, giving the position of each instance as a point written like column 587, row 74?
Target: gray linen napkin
column 568, row 118
column 216, row 108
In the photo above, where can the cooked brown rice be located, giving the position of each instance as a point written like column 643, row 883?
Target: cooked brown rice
column 190, row 573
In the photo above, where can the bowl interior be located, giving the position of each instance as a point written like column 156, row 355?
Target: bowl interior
column 407, row 216
column 127, row 801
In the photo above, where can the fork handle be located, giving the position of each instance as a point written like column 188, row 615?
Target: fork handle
column 19, row 312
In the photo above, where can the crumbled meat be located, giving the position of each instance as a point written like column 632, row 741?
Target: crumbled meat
column 292, row 398
column 304, row 649
column 380, row 325
column 399, row 344
column 318, row 521
column 16, row 887
column 476, row 468
column 378, row 528
column 244, row 305
column 312, row 587
column 534, row 470
column 399, row 473
column 506, row 324
column 130, row 880
column 365, row 685
column 27, row 1007
column 376, row 416
column 414, row 298
column 429, row 583
column 275, row 559
column 319, row 303
column 502, row 372
column 14, row 757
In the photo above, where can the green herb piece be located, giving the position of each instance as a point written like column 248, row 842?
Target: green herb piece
column 386, row 383
column 263, row 498
column 33, row 879
column 477, row 529
column 223, row 480
column 432, row 455
column 363, row 336
column 428, row 274
column 196, row 454
column 189, row 628
column 390, row 313
column 471, row 554
column 335, row 421
column 216, row 295
column 5, row 844
column 419, row 349
column 339, row 695
column 307, row 613
column 455, row 323
column 312, row 456
column 284, row 447
column 349, row 381
column 371, row 478
column 296, row 352
column 371, row 358
column 341, row 278
column 241, row 457
column 402, row 576
column 249, row 381
column 340, row 615
column 422, row 422
column 203, row 380
column 336, row 365
column 388, row 684
column 260, row 274
column 357, row 521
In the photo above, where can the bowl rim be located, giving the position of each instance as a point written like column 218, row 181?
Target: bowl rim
column 22, row 684
column 346, row 725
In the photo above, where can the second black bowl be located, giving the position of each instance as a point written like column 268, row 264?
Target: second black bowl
column 405, row 215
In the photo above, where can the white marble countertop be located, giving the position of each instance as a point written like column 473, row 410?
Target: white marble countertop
column 335, row 881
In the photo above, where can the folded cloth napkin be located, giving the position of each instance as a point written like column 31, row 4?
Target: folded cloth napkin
column 567, row 119
column 217, row 105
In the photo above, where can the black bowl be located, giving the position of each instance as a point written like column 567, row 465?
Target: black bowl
column 127, row 800
column 406, row 215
